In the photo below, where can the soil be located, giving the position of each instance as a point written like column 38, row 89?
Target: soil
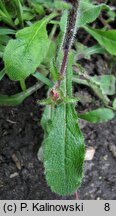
column 22, row 174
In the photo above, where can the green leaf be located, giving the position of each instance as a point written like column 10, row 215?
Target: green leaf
column 44, row 102
column 50, row 52
column 18, row 98
column 89, row 12
column 63, row 21
column 6, row 31
column 71, row 99
column 64, row 152
column 98, row 115
column 19, row 10
column 26, row 16
column 42, row 78
column 2, row 73
column 114, row 104
column 28, row 50
column 59, row 5
column 86, row 52
column 1, row 50
column 107, row 83
column 38, row 8
column 5, row 16
column 106, row 39
column 54, row 71
column 4, row 39
column 89, row 81
column 63, row 143
column 50, row 4
column 45, row 120
column 23, row 85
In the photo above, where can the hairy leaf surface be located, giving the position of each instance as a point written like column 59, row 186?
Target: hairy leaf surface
column 98, row 115
column 89, row 12
column 25, row 53
column 107, row 39
column 64, row 144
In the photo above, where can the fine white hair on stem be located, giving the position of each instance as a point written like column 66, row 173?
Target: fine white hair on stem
column 72, row 22
column 71, row 29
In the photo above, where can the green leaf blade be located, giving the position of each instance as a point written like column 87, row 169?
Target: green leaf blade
column 63, row 144
column 6, row 31
column 18, row 98
column 2, row 73
column 107, row 83
column 89, row 12
column 106, row 39
column 114, row 104
column 28, row 50
column 42, row 78
column 98, row 115
column 64, row 152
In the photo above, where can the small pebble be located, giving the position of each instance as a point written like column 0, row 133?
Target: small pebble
column 13, row 175
column 112, row 149
column 90, row 151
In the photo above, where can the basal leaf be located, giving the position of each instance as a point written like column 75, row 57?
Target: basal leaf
column 38, row 8
column 18, row 98
column 98, row 88
column 98, row 115
column 5, row 15
column 86, row 52
column 6, row 31
column 2, row 73
column 89, row 12
column 107, row 39
column 63, row 144
column 25, row 53
column 42, row 78
column 107, row 83
column 59, row 5
column 4, row 39
column 114, row 104
column 19, row 10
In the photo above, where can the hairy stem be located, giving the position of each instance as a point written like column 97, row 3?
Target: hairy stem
column 68, row 37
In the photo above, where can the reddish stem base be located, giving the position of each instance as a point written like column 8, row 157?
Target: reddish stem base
column 75, row 195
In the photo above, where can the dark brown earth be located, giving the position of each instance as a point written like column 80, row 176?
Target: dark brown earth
column 22, row 174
